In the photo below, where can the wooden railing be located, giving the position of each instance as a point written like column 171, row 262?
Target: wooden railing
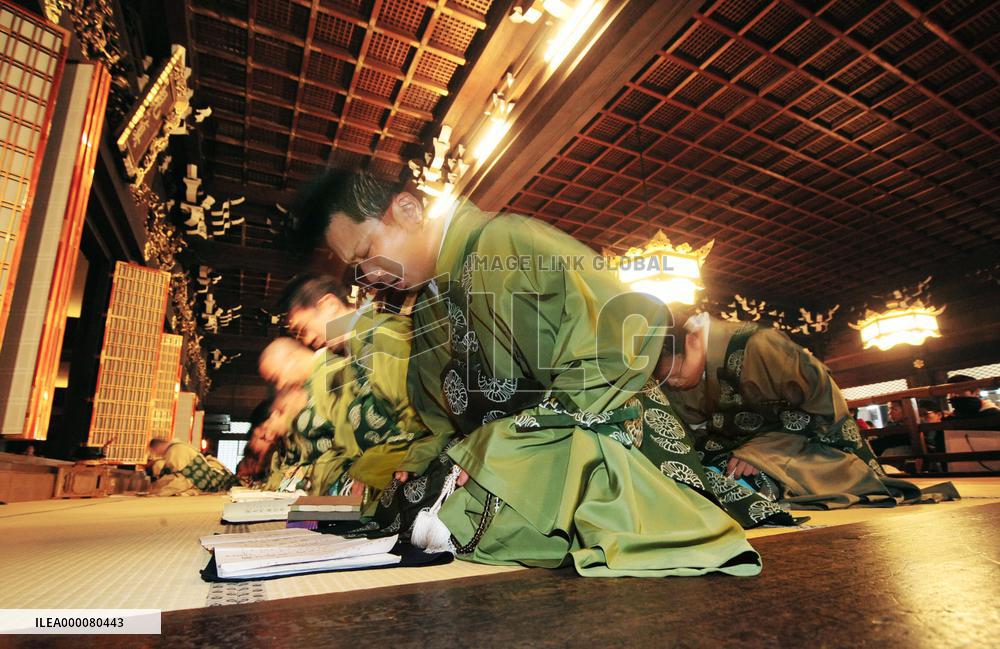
column 915, row 430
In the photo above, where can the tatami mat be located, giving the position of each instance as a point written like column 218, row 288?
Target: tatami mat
column 124, row 552
column 144, row 553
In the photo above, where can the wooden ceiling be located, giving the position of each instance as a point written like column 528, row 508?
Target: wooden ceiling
column 825, row 146
column 294, row 84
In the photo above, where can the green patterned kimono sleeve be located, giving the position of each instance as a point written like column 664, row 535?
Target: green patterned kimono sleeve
column 429, row 355
column 392, row 343
column 331, row 389
column 563, row 316
column 330, row 375
column 423, row 450
column 777, row 369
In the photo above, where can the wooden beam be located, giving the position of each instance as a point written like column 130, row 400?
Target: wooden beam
column 478, row 80
column 559, row 110
column 223, row 189
column 228, row 256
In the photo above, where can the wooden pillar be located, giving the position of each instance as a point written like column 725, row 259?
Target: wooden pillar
column 911, row 421
column 71, row 430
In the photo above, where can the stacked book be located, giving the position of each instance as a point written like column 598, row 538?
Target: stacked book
column 275, row 553
column 310, row 511
column 253, row 506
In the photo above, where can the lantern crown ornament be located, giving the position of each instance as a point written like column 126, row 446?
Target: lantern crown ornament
column 667, row 271
column 906, row 320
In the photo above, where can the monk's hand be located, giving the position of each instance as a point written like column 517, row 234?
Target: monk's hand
column 738, row 468
column 357, row 488
column 463, row 477
column 401, row 476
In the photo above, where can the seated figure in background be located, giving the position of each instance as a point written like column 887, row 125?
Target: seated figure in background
column 373, row 393
column 967, row 404
column 894, row 444
column 180, row 469
column 930, row 411
column 767, row 411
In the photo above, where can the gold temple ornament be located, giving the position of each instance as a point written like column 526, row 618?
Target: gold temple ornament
column 94, row 24
column 437, row 174
column 498, row 120
column 158, row 115
column 808, row 323
column 671, row 273
column 163, row 243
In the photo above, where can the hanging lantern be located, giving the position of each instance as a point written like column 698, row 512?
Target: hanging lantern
column 910, row 325
column 673, row 274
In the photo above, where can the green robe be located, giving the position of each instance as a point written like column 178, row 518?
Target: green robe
column 767, row 401
column 316, row 451
column 562, row 481
column 358, row 422
column 380, row 414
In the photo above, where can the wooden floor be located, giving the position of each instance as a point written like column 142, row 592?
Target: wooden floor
column 927, row 580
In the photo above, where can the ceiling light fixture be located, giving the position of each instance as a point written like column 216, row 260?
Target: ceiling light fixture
column 668, row 272
column 906, row 320
column 906, row 326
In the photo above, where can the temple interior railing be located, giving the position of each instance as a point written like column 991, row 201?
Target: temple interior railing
column 927, row 461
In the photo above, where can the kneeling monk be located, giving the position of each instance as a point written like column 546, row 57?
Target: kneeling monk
column 520, row 374
column 372, row 394
column 315, row 449
column 767, row 411
column 179, row 468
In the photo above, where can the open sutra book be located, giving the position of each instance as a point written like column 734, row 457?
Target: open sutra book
column 294, row 551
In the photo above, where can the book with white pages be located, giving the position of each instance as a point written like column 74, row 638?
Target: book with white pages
column 244, row 494
column 352, row 563
column 266, row 555
column 252, row 506
column 324, row 508
column 212, row 541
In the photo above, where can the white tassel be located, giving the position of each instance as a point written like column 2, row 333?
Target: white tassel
column 429, row 533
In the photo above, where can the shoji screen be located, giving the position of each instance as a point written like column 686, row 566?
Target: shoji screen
column 168, row 378
column 32, row 54
column 129, row 362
